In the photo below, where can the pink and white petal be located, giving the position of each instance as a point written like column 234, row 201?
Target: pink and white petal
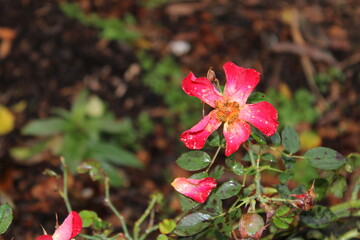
column 195, row 137
column 197, row 189
column 262, row 115
column 69, row 228
column 44, row 237
column 240, row 82
column 235, row 134
column 201, row 88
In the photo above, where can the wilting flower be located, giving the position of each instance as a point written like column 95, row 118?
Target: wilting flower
column 197, row 189
column 305, row 201
column 230, row 108
column 71, row 227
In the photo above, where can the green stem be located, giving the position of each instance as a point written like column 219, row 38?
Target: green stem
column 343, row 209
column 256, row 166
column 142, row 218
column 114, row 210
column 148, row 231
column 263, row 168
column 213, row 159
column 64, row 193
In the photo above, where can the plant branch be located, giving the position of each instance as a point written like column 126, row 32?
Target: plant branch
column 64, row 193
column 114, row 210
column 142, row 218
column 213, row 159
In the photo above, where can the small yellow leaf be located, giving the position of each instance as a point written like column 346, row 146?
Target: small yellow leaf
column 285, row 90
column 7, row 120
column 309, row 139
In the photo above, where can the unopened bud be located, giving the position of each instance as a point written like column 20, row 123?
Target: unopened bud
column 305, row 201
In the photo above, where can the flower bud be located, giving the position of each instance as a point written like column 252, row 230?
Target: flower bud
column 251, row 225
column 305, row 201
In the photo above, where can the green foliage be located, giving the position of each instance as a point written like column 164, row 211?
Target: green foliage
column 162, row 78
column 111, row 28
column 283, row 217
column 167, row 226
column 87, row 131
column 90, row 218
column 228, row 189
column 290, row 140
column 324, row 79
column 192, row 224
column 325, row 158
column 318, row 217
column 295, row 110
column 193, row 160
column 6, row 217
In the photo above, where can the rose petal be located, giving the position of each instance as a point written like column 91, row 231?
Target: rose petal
column 197, row 189
column 201, row 88
column 235, row 134
column 262, row 115
column 44, row 237
column 240, row 82
column 69, row 228
column 195, row 137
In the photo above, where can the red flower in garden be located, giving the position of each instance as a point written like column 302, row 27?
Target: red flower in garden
column 230, row 108
column 71, row 227
column 197, row 189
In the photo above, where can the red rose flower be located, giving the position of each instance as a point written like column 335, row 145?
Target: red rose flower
column 230, row 108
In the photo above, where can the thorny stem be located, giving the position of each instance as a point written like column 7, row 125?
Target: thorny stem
column 142, row 218
column 114, row 210
column 213, row 159
column 64, row 193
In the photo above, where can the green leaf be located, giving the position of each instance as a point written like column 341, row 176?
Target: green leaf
column 256, row 97
column 321, row 186
column 282, row 210
column 283, row 190
column 192, row 224
column 268, row 157
column 112, row 153
column 228, row 189
column 325, row 158
column 87, row 217
column 162, row 237
column 258, row 136
column 78, row 108
column 44, row 127
column 193, row 160
column 318, row 217
column 280, row 224
column 6, row 217
column 223, row 226
column 187, row 203
column 285, row 176
column 116, row 177
column 199, row 175
column 167, row 226
column 217, row 172
column 290, row 140
column 214, row 140
column 338, row 186
column 74, row 148
column 276, row 139
column 235, row 166
column 289, row 162
column 213, row 205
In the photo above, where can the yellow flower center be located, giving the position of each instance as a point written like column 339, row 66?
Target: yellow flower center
column 227, row 111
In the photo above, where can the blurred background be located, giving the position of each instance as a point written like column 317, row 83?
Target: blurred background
column 101, row 80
